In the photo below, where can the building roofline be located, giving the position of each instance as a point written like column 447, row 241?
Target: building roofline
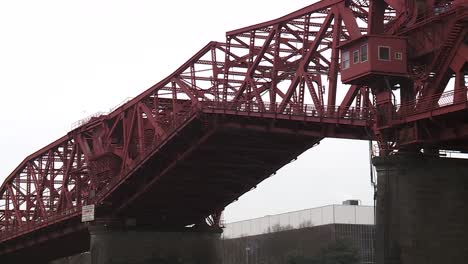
column 295, row 211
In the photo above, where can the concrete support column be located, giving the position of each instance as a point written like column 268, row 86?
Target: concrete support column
column 422, row 210
column 144, row 246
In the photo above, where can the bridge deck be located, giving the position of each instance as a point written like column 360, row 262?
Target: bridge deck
column 211, row 162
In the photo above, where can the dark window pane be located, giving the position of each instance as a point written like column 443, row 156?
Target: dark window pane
column 384, row 53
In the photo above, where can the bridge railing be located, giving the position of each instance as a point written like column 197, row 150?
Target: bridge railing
column 435, row 102
column 87, row 119
column 306, row 110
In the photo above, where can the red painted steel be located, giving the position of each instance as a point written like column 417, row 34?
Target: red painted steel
column 283, row 71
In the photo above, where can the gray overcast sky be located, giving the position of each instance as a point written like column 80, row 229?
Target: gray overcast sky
column 63, row 60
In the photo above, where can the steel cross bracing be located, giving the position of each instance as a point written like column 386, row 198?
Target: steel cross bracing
column 280, row 79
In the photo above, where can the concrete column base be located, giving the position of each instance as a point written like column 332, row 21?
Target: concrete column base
column 117, row 244
column 140, row 246
column 422, row 210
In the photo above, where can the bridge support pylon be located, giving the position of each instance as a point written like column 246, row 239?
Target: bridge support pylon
column 422, row 210
column 112, row 243
column 140, row 245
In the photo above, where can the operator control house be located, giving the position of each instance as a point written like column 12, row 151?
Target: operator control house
column 373, row 56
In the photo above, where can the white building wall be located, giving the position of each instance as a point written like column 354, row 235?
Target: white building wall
column 331, row 214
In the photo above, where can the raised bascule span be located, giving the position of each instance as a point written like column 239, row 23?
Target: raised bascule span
column 393, row 72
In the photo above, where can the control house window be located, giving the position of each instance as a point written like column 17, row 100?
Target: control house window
column 356, row 56
column 364, row 53
column 345, row 59
column 398, row 56
column 384, row 53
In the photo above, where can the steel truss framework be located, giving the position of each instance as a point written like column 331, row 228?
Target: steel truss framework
column 284, row 69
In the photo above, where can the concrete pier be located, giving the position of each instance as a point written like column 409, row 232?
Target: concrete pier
column 124, row 245
column 422, row 210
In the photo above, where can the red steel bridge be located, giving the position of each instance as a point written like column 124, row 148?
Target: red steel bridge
column 394, row 72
